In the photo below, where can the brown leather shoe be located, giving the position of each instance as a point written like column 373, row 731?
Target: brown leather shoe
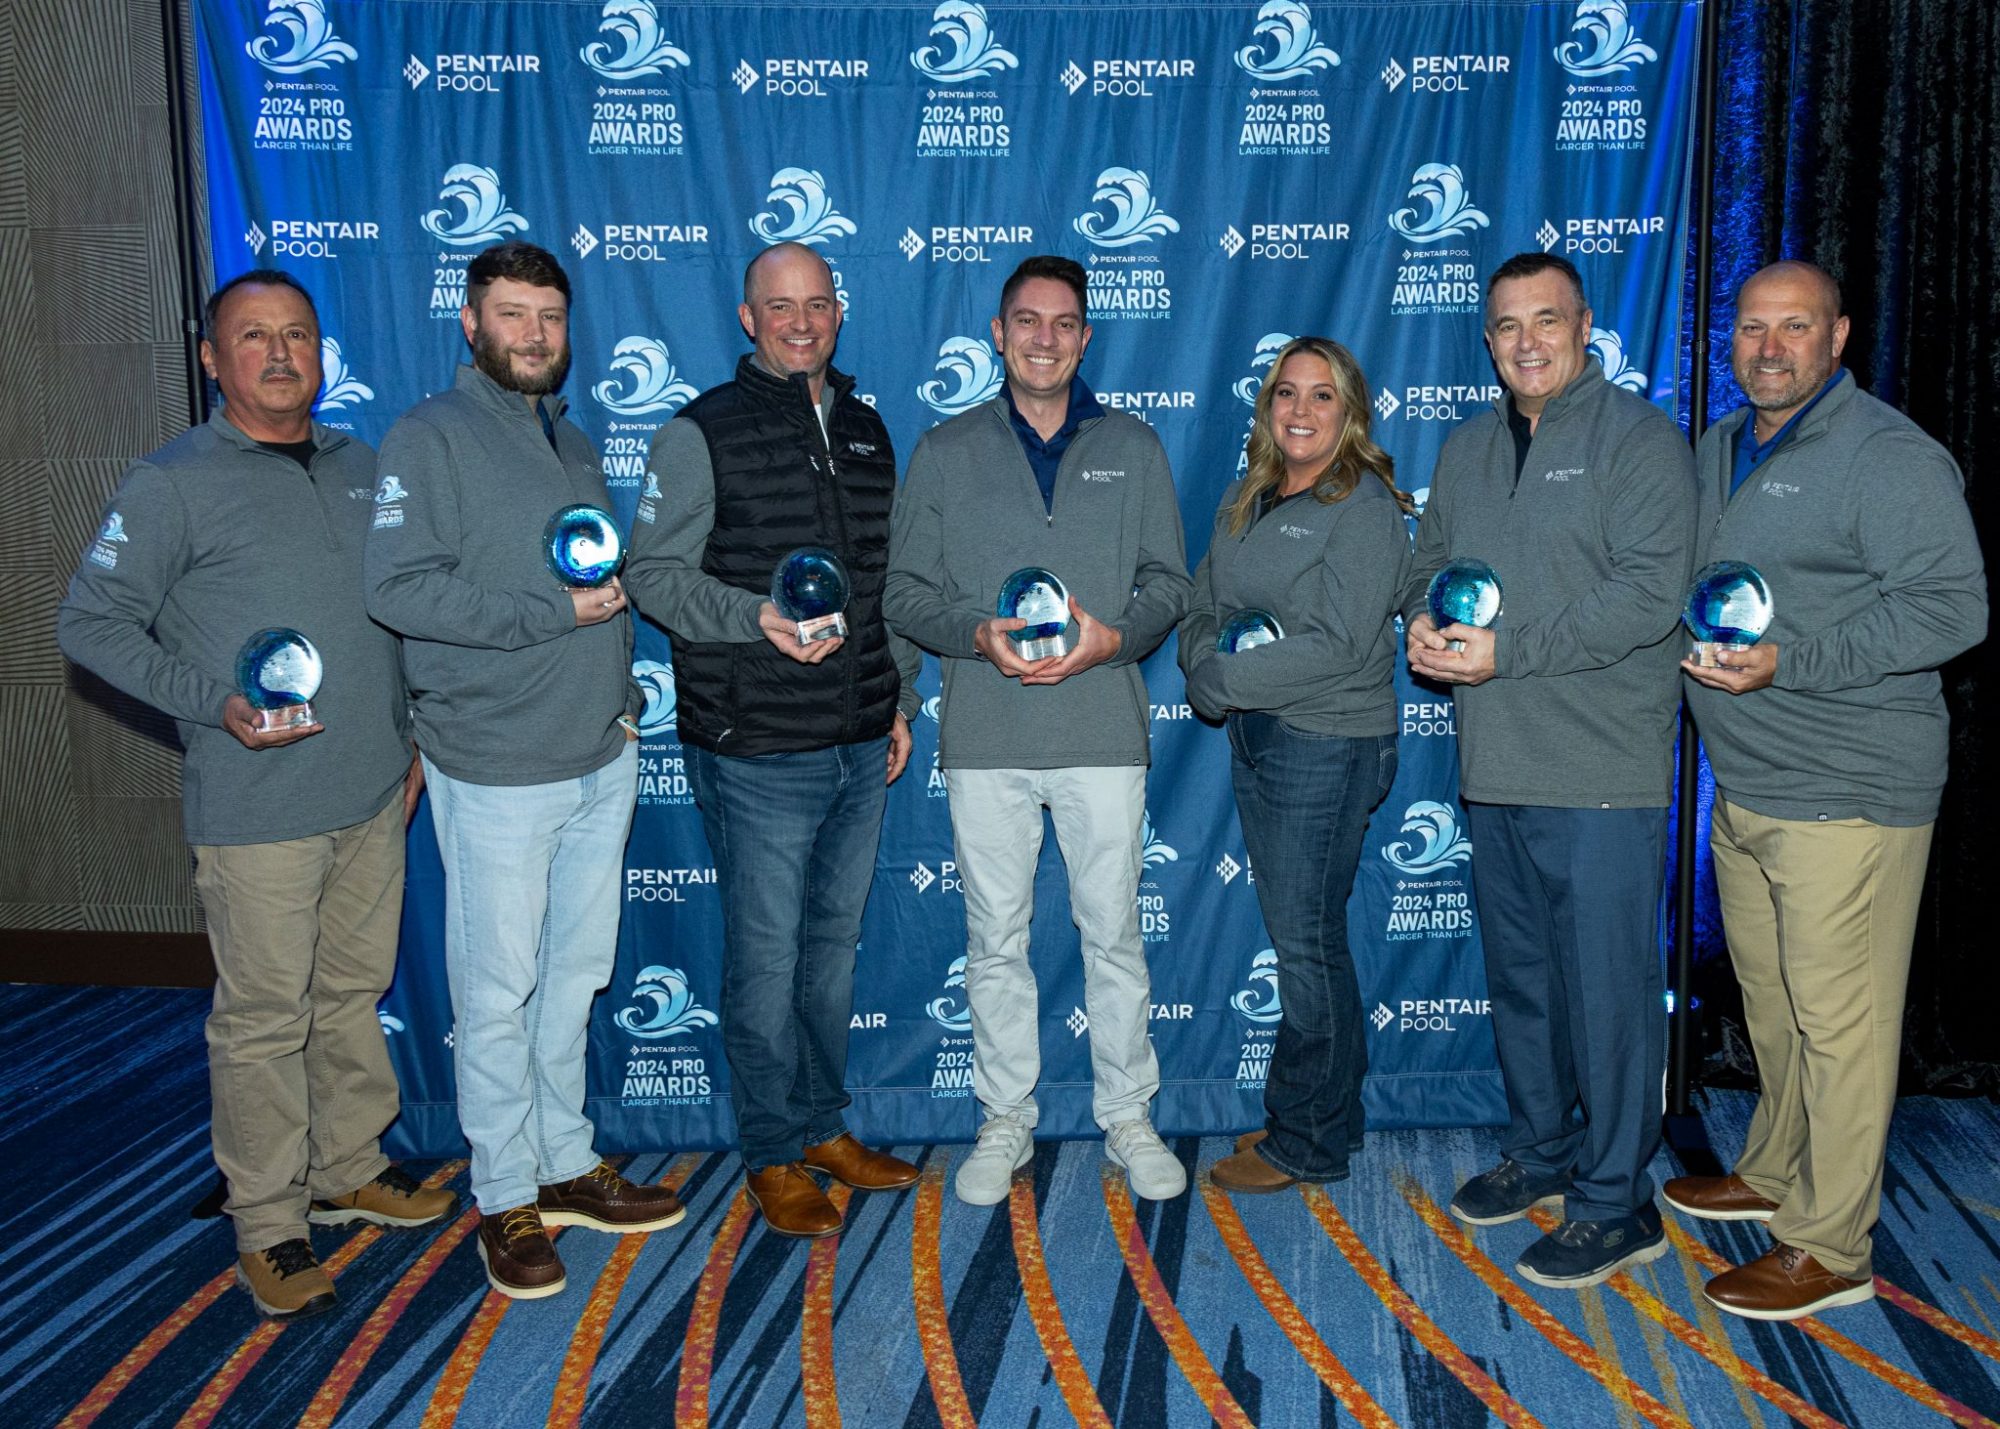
column 792, row 1201
column 602, row 1200
column 1785, row 1283
column 285, row 1281
column 1249, row 1139
column 521, row 1262
column 1717, row 1198
column 852, row 1164
column 1248, row 1174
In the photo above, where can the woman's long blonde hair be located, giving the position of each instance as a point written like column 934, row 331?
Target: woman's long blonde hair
column 1355, row 452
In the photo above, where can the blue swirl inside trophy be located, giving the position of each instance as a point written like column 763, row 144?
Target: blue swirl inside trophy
column 584, row 546
column 810, row 589
column 1038, row 597
column 279, row 671
column 1463, row 592
column 1728, row 608
column 1246, row 630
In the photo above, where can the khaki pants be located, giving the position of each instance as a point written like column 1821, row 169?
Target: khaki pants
column 1819, row 918
column 304, row 936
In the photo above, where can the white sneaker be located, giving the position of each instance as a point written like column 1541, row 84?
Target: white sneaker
column 1155, row 1173
column 1006, row 1144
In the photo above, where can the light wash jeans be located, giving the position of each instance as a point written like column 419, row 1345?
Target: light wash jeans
column 531, row 877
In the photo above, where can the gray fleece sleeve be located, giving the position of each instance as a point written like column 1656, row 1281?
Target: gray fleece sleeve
column 913, row 596
column 1162, row 575
column 1199, row 628
column 663, row 573
column 105, row 623
column 410, row 569
column 1433, row 539
column 1650, row 523
column 1917, row 540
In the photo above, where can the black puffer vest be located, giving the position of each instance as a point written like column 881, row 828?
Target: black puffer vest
column 777, row 487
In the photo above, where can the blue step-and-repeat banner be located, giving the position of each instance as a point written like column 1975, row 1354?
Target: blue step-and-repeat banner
column 1230, row 175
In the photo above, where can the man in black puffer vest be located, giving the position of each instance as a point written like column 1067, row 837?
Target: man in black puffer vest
column 791, row 746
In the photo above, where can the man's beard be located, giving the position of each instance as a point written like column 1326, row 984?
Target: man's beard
column 498, row 363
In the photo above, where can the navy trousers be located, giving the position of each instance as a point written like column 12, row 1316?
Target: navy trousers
column 1568, row 910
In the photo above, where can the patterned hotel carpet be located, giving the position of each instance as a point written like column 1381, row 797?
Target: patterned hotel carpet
column 1071, row 1303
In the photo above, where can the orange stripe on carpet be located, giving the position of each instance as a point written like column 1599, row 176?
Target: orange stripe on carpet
column 1893, row 1375
column 237, row 1367
column 1721, row 1356
column 446, row 1399
column 1633, row 1397
column 698, row 1346
column 1040, row 1296
column 1937, row 1319
column 1503, row 1405
column 816, row 1325
column 954, row 1411
column 1161, row 1310
column 1305, row 1339
column 145, row 1352
column 573, row 1380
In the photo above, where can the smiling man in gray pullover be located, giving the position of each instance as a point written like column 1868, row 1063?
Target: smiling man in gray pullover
column 1043, row 475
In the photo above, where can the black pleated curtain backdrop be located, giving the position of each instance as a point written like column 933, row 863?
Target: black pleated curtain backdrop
column 1864, row 135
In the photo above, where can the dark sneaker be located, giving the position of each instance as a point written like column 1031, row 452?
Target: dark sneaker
column 602, row 1200
column 521, row 1261
column 395, row 1199
column 1506, row 1193
column 286, row 1281
column 1577, row 1254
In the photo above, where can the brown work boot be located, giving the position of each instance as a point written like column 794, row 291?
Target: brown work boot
column 1248, row 1174
column 285, row 1281
column 1717, row 1198
column 792, row 1201
column 852, row 1164
column 521, row 1261
column 1785, row 1283
column 602, row 1200
column 395, row 1199
column 1250, row 1138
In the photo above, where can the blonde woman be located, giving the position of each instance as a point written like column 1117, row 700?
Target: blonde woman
column 1313, row 535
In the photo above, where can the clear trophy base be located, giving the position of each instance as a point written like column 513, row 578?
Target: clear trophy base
column 1047, row 647
column 1454, row 645
column 283, row 718
column 822, row 627
column 1706, row 651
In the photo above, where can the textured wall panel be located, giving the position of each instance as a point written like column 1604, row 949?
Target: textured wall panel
column 90, row 285
column 13, row 159
column 137, row 856
column 176, row 917
column 77, row 495
column 20, row 359
column 38, row 808
column 98, row 401
column 161, row 292
column 120, row 747
column 41, row 915
column 82, row 156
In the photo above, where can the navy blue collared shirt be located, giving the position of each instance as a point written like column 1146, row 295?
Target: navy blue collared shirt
column 1046, row 456
column 1750, row 453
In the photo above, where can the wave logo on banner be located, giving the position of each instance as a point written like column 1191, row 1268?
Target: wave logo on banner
column 1258, row 1000
column 485, row 217
column 1439, row 843
column 636, row 25
column 662, row 1005
column 933, row 708
column 656, row 387
column 1136, row 216
column 342, row 387
column 1155, row 852
column 974, row 53
column 656, row 683
column 813, row 218
column 946, row 1011
column 969, row 374
column 1613, row 45
column 1294, row 50
column 1268, row 348
column 1448, row 209
column 312, row 43
column 1609, row 349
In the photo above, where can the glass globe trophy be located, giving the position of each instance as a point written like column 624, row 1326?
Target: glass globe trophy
column 583, row 546
column 810, row 589
column 1038, row 597
column 1728, row 608
column 1463, row 592
column 1246, row 630
column 278, row 672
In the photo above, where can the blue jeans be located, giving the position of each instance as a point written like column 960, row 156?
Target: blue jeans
column 1304, row 801
column 794, row 839
column 531, row 874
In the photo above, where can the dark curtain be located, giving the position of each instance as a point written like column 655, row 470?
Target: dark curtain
column 1864, row 135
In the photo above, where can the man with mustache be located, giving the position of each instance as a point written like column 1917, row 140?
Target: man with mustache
column 525, row 714
column 1828, row 739
column 256, row 519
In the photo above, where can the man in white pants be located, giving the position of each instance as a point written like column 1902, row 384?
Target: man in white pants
column 1043, row 475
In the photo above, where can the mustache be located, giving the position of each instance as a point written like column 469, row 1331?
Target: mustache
column 279, row 369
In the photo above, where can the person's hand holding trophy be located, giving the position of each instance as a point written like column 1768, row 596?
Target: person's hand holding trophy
column 806, row 614
column 584, row 548
column 278, row 671
column 1453, row 640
